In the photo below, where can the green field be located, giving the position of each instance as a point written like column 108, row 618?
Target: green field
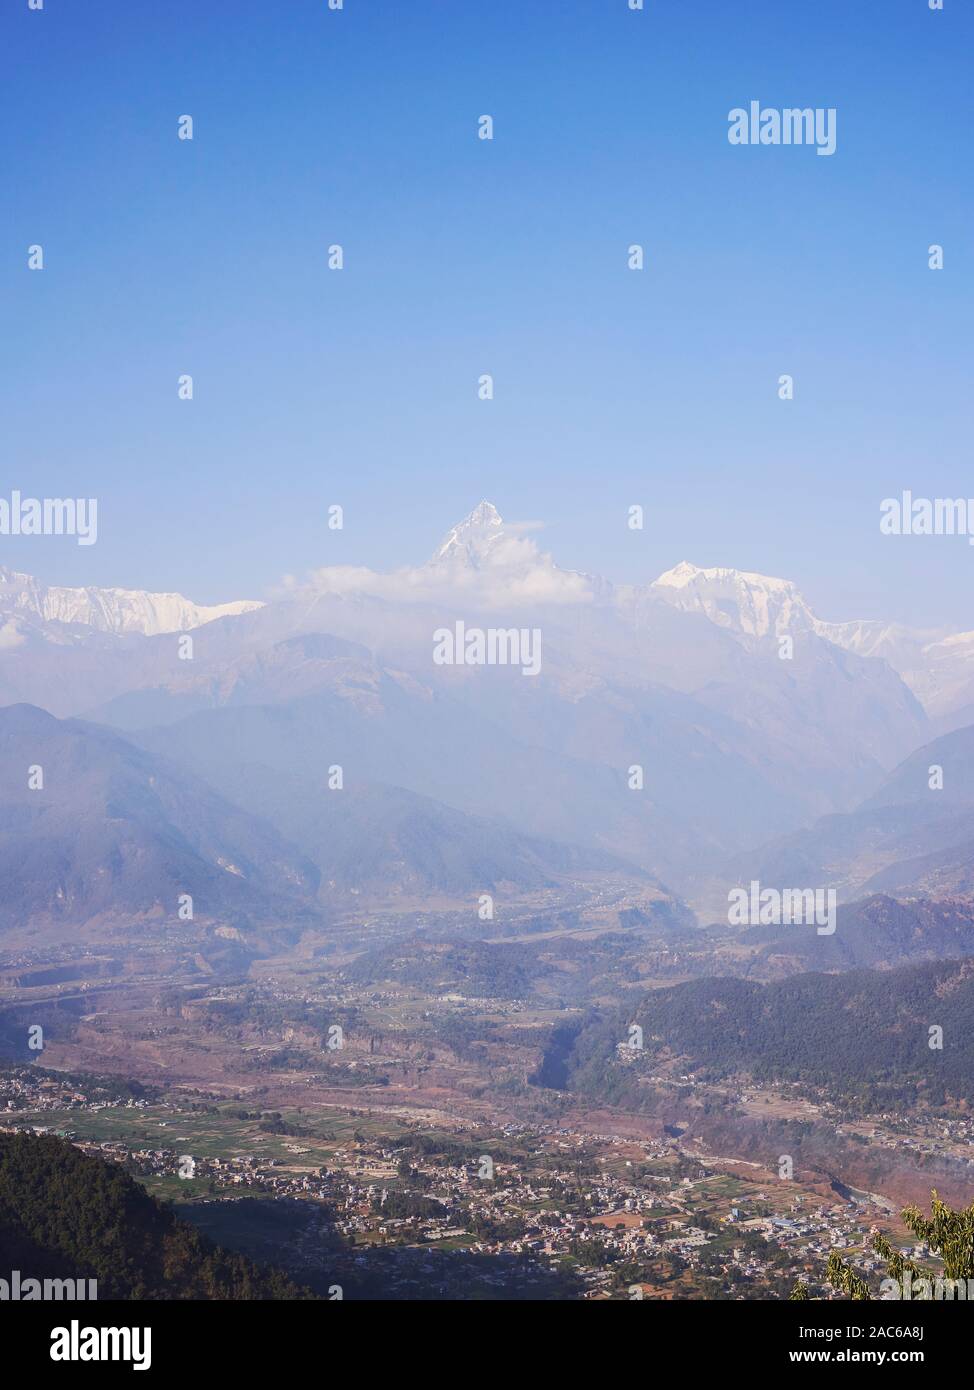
column 222, row 1135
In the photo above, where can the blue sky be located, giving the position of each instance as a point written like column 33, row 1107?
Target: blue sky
column 464, row 256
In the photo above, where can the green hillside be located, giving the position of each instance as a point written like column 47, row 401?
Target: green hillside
column 64, row 1215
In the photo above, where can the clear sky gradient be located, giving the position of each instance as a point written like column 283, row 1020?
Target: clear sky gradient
column 465, row 256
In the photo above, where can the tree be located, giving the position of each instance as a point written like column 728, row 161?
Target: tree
column 840, row 1276
column 949, row 1234
column 799, row 1291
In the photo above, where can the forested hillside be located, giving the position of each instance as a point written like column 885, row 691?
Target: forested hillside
column 66, row 1215
column 864, row 1036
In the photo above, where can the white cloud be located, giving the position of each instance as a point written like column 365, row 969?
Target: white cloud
column 502, row 568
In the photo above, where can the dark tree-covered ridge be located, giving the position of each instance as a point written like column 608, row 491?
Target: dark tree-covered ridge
column 65, row 1214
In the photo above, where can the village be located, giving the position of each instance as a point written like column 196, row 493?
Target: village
column 614, row 1216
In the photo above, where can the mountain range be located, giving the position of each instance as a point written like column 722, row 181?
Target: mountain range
column 492, row 561
column 116, row 834
column 23, row 600
column 913, row 836
column 667, row 734
column 936, row 664
column 95, row 829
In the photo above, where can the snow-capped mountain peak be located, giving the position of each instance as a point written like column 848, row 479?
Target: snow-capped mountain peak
column 109, row 610
column 502, row 563
column 759, row 605
column 471, row 540
column 938, row 666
